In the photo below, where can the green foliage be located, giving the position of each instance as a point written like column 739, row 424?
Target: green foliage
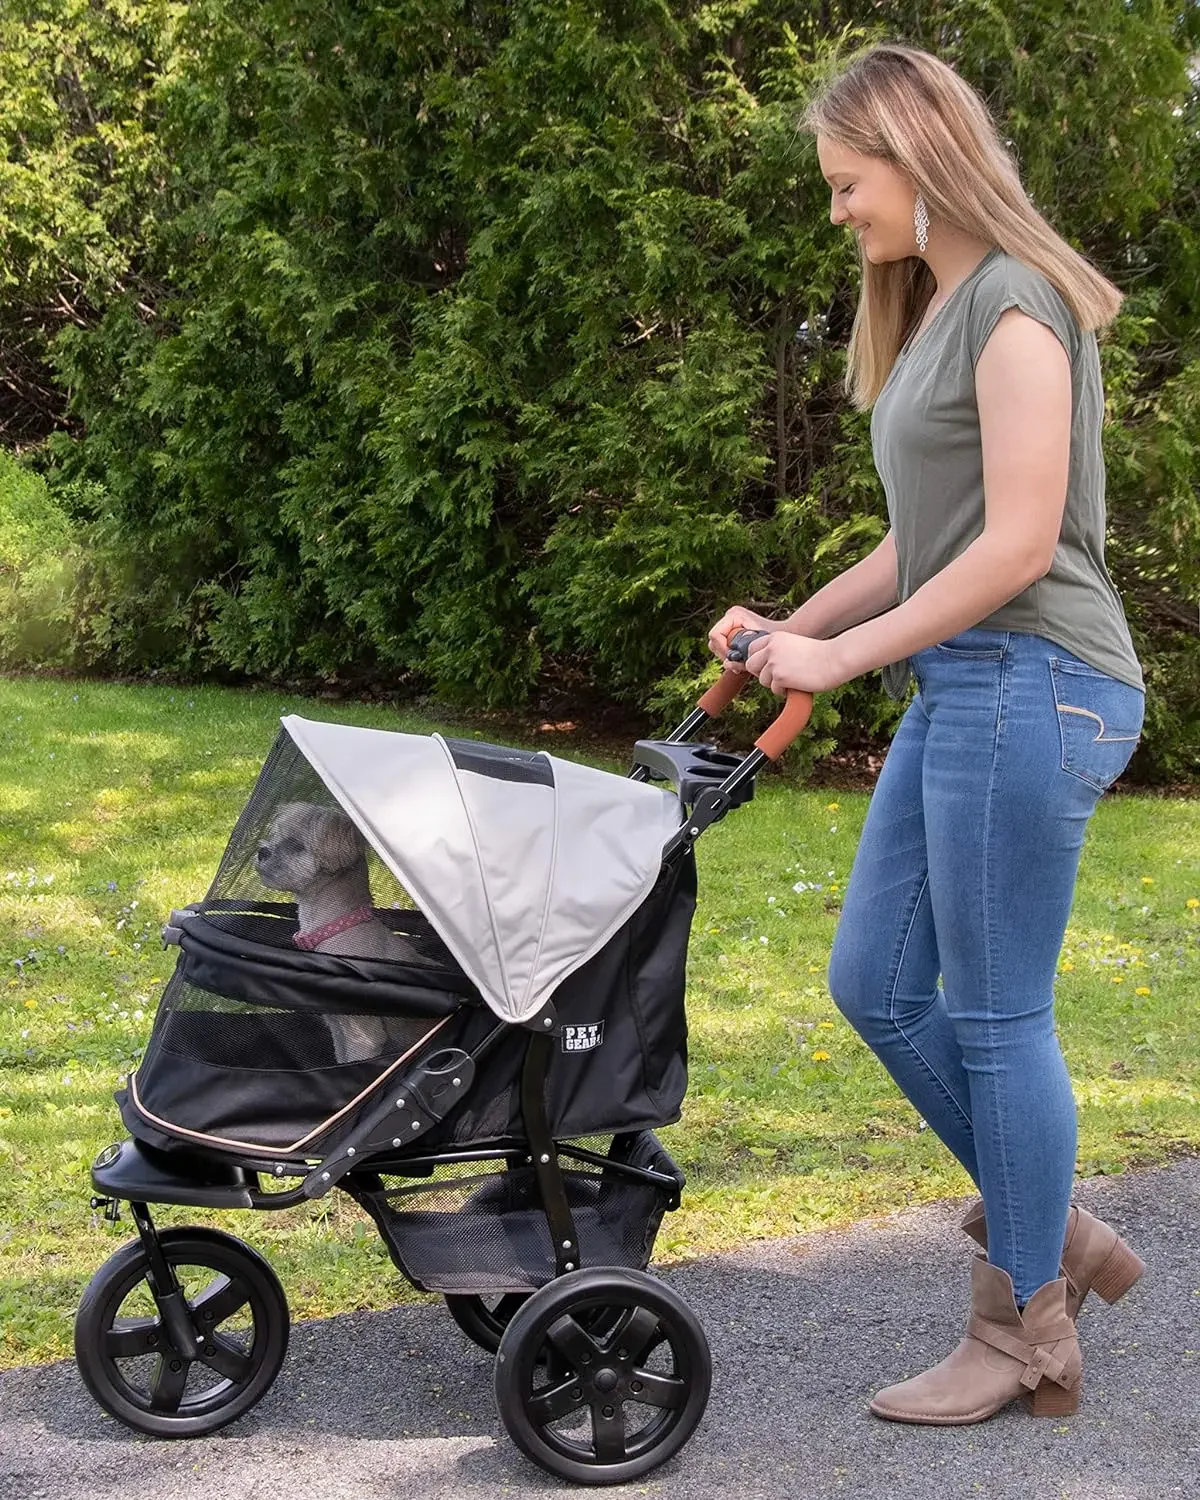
column 37, row 570
column 478, row 345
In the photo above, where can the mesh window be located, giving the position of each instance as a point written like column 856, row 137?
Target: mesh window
column 222, row 1033
column 295, row 863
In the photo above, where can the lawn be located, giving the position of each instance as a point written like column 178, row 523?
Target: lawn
column 115, row 803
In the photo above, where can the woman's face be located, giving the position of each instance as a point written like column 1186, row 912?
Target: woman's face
column 872, row 198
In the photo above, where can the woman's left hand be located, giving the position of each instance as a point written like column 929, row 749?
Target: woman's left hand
column 784, row 662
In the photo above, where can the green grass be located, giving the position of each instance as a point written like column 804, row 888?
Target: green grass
column 115, row 803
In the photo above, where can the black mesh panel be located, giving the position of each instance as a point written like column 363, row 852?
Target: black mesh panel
column 485, row 1230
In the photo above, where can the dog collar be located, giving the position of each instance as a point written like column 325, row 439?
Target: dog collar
column 315, row 936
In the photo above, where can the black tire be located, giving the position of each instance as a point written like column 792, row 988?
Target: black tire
column 627, row 1383
column 128, row 1364
column 484, row 1321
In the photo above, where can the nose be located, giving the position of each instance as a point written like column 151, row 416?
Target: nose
column 264, row 851
column 837, row 211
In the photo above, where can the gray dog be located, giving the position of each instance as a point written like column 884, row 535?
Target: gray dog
column 318, row 855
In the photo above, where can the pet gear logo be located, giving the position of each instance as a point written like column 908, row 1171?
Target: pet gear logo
column 585, row 1038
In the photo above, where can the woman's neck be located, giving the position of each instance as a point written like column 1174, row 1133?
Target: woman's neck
column 951, row 257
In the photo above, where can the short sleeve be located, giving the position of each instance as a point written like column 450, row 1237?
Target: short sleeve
column 1011, row 283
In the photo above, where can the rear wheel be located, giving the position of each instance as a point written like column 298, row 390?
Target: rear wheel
column 602, row 1375
column 239, row 1315
column 484, row 1319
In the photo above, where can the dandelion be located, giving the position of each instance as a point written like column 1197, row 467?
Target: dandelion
column 1118, row 979
column 833, row 807
column 1193, row 902
column 1147, row 879
column 31, row 1005
column 825, row 1025
column 1142, row 989
column 820, row 1055
column 1067, row 967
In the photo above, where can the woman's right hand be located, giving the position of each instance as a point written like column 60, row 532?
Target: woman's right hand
column 733, row 620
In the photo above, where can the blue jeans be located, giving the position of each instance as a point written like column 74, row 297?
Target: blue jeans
column 966, row 869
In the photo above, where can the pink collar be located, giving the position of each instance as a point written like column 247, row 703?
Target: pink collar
column 315, row 936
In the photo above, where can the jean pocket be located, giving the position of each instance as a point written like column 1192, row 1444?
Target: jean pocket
column 1099, row 721
column 976, row 644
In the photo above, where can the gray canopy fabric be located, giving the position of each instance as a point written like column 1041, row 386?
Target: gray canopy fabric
column 523, row 881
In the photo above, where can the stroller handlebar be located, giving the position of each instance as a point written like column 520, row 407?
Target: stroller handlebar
column 791, row 720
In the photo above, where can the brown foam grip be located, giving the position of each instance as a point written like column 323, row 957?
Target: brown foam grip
column 778, row 736
column 723, row 692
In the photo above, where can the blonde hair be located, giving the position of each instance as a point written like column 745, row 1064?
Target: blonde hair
column 915, row 112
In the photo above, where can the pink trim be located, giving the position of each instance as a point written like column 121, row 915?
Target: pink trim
column 315, row 936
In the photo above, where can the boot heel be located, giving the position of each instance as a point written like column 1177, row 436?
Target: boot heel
column 1121, row 1268
column 1050, row 1400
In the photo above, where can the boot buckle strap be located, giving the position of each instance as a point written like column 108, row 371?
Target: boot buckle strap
column 1039, row 1362
column 1042, row 1363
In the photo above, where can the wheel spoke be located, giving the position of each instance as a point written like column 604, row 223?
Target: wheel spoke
column 659, row 1390
column 220, row 1299
column 573, row 1342
column 635, row 1332
column 554, row 1401
column 129, row 1337
column 608, row 1433
column 226, row 1358
column 507, row 1307
column 166, row 1389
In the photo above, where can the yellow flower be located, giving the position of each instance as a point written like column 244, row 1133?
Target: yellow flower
column 832, row 807
column 812, row 969
column 1193, row 902
column 1147, row 880
column 155, row 981
column 1067, row 967
column 1142, row 990
column 1117, row 979
column 825, row 1025
column 820, row 1055
column 31, row 1005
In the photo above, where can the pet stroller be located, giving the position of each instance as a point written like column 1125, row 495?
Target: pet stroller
column 489, row 1097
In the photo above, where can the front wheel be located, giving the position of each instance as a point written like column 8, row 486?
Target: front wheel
column 602, row 1375
column 240, row 1316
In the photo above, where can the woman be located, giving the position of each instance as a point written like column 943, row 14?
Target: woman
column 975, row 345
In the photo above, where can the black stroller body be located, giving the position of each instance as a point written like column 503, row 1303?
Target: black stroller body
column 487, row 1091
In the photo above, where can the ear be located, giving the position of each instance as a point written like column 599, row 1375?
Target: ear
column 337, row 844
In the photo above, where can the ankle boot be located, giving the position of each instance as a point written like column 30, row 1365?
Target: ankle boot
column 1094, row 1258
column 1004, row 1354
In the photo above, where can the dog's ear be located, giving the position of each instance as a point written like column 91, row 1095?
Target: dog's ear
column 336, row 844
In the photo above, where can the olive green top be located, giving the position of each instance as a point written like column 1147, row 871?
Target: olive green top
column 927, row 446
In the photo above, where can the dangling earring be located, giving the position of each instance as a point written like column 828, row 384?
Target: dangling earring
column 921, row 223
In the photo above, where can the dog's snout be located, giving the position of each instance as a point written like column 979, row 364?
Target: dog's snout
column 264, row 851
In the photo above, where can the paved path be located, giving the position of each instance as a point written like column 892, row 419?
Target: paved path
column 398, row 1406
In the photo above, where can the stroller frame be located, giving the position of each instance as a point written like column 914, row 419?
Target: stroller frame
column 592, row 1325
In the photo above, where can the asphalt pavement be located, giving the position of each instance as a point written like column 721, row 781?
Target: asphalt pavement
column 398, row 1405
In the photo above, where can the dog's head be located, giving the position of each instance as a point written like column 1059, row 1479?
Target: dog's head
column 306, row 846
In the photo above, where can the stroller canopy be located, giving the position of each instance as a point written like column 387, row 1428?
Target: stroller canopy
column 525, row 864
